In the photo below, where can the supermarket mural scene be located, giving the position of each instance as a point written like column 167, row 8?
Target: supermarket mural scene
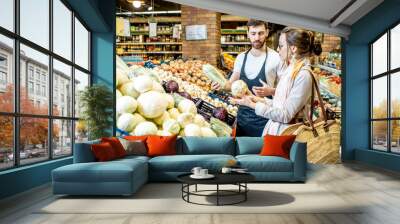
column 193, row 72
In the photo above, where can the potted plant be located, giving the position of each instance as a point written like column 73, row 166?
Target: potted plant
column 96, row 103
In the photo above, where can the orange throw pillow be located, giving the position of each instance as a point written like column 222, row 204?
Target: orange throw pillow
column 277, row 145
column 161, row 145
column 103, row 152
column 116, row 145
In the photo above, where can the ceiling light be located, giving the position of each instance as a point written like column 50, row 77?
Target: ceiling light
column 150, row 8
column 136, row 4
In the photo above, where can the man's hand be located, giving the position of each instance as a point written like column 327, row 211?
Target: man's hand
column 264, row 90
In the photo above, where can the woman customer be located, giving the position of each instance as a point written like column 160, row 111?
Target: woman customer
column 293, row 92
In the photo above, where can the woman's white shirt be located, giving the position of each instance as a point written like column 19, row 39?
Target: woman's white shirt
column 290, row 97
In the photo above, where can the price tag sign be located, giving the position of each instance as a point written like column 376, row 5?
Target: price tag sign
column 196, row 32
column 123, row 27
column 152, row 29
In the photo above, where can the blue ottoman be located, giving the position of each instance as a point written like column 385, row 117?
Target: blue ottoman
column 118, row 177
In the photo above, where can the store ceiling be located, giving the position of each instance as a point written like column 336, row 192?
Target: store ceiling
column 159, row 5
column 328, row 16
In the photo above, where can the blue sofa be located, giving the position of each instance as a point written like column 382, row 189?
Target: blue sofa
column 125, row 176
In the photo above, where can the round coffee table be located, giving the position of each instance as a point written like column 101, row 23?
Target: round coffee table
column 238, row 179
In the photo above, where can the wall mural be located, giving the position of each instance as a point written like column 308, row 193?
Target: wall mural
column 186, row 94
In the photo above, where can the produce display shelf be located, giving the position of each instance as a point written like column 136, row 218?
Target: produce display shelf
column 329, row 69
column 152, row 52
column 325, row 91
column 235, row 43
column 206, row 109
column 151, row 43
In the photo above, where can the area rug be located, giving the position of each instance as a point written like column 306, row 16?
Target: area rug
column 167, row 198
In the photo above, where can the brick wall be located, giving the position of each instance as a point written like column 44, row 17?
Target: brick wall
column 208, row 50
column 330, row 42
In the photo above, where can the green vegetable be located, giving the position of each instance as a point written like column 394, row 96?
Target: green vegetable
column 213, row 74
column 220, row 128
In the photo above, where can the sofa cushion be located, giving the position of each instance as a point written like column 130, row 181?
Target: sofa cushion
column 249, row 145
column 112, row 171
column 133, row 147
column 257, row 163
column 116, row 145
column 161, row 145
column 103, row 152
column 201, row 145
column 131, row 158
column 277, row 145
column 185, row 163
column 83, row 153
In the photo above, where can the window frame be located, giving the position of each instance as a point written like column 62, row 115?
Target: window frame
column 388, row 74
column 15, row 68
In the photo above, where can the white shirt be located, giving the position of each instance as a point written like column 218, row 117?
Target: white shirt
column 254, row 65
column 290, row 97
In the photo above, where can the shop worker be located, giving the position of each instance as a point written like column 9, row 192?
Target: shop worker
column 258, row 68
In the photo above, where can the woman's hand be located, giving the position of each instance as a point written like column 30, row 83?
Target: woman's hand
column 247, row 100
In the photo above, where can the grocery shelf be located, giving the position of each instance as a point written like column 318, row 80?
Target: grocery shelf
column 152, row 52
column 325, row 89
column 233, row 31
column 147, row 33
column 231, row 52
column 230, row 18
column 160, row 19
column 152, row 43
column 235, row 43
column 329, row 69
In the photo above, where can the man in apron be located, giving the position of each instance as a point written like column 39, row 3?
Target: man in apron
column 257, row 67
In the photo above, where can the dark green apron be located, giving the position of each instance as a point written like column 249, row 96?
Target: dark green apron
column 248, row 123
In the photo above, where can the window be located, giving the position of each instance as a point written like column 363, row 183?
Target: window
column 44, row 77
column 35, row 22
column 44, row 91
column 385, row 96
column 62, row 29
column 6, row 142
column 3, row 72
column 62, row 137
column 7, row 14
column 62, row 74
column 46, row 131
column 3, row 78
column 30, row 73
column 81, row 45
column 33, row 148
column 3, row 61
column 37, row 74
column 6, row 73
column 38, row 89
column 30, row 87
column 81, row 81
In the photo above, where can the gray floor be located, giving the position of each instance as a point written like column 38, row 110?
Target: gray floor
column 379, row 189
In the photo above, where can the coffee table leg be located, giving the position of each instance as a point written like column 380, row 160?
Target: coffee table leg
column 245, row 191
column 188, row 189
column 217, row 194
